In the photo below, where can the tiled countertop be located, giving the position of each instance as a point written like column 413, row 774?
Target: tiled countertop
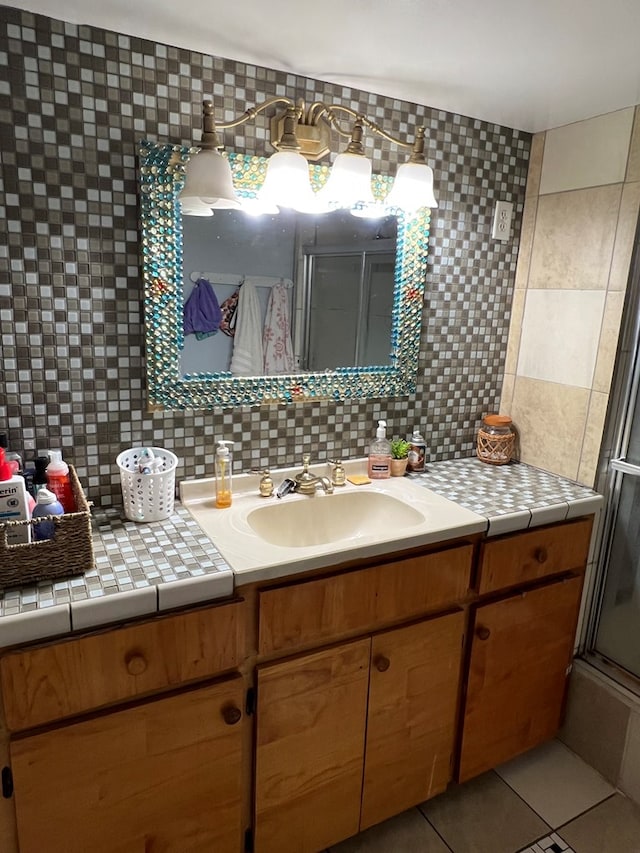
column 511, row 497
column 145, row 568
column 140, row 569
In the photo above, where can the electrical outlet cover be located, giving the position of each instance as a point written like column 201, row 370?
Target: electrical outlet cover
column 501, row 229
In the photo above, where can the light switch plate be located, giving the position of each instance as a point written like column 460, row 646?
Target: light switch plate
column 501, row 229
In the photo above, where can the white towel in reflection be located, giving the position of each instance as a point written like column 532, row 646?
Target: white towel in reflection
column 276, row 336
column 247, row 358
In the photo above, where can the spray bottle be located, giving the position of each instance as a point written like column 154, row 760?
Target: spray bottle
column 223, row 474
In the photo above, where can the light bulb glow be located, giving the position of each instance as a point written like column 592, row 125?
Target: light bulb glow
column 287, row 184
column 412, row 188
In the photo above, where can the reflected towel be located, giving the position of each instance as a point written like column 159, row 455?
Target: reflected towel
column 202, row 314
column 247, row 358
column 276, row 336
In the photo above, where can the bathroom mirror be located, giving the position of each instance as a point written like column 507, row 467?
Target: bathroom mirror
column 175, row 384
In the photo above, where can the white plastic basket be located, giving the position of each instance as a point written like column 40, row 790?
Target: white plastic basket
column 147, row 497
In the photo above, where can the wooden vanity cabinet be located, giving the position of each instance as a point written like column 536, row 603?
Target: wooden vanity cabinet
column 376, row 684
column 143, row 749
column 353, row 734
column 522, row 642
column 160, row 777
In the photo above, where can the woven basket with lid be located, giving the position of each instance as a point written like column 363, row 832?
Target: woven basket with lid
column 496, row 440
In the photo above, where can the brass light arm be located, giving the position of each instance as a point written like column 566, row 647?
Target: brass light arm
column 319, row 110
column 252, row 112
column 307, row 129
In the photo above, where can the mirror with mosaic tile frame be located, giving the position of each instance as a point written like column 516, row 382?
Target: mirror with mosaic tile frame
column 160, row 178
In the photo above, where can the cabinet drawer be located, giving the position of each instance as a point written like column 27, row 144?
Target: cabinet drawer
column 534, row 554
column 318, row 610
column 63, row 679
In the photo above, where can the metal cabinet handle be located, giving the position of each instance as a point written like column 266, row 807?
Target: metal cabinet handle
column 482, row 632
column 381, row 663
column 231, row 715
column 136, row 663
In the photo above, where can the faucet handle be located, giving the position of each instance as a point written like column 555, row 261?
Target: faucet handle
column 338, row 474
column 266, row 483
column 306, row 459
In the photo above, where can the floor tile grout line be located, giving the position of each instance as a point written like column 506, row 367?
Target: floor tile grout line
column 436, row 830
column 590, row 809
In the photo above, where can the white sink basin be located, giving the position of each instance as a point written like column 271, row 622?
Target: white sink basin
column 266, row 538
column 339, row 517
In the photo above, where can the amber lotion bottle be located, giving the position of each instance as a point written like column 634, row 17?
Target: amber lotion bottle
column 223, row 474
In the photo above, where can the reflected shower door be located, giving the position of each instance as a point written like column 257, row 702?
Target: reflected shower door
column 349, row 313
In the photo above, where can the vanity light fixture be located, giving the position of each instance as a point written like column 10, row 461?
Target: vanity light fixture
column 300, row 135
column 349, row 182
column 208, row 182
column 286, row 183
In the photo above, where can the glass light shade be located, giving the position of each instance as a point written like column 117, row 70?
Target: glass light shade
column 287, row 184
column 194, row 206
column 197, row 211
column 208, row 177
column 349, row 182
column 412, row 188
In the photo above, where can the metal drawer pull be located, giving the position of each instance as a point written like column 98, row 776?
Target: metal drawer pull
column 231, row 715
column 381, row 663
column 136, row 663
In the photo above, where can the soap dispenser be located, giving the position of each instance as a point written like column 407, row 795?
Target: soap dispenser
column 223, row 474
column 379, row 467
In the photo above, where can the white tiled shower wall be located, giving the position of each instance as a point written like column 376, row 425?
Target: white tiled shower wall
column 579, row 224
column 579, row 221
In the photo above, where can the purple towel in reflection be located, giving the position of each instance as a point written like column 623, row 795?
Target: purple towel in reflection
column 202, row 314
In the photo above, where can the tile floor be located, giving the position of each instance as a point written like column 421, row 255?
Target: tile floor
column 546, row 801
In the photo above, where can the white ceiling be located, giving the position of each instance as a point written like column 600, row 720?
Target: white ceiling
column 529, row 64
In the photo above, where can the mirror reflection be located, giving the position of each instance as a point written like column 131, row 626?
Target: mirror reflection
column 353, row 291
column 324, row 288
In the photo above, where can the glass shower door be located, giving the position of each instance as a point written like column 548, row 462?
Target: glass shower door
column 618, row 632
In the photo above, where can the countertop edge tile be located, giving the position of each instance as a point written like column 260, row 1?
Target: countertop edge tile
column 508, row 522
column 92, row 612
column 585, row 506
column 195, row 590
column 35, row 625
column 548, row 514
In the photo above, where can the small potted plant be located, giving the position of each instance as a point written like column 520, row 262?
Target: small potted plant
column 399, row 456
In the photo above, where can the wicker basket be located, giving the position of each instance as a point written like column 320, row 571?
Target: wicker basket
column 496, row 440
column 69, row 553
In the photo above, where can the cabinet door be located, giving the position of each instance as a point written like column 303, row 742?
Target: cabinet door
column 311, row 719
column 522, row 648
column 413, row 697
column 163, row 777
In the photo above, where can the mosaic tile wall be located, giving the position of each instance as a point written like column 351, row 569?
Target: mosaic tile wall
column 74, row 102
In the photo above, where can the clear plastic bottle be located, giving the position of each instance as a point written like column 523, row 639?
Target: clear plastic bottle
column 379, row 467
column 58, row 481
column 223, row 474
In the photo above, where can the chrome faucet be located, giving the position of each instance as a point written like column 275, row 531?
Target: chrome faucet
column 305, row 483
